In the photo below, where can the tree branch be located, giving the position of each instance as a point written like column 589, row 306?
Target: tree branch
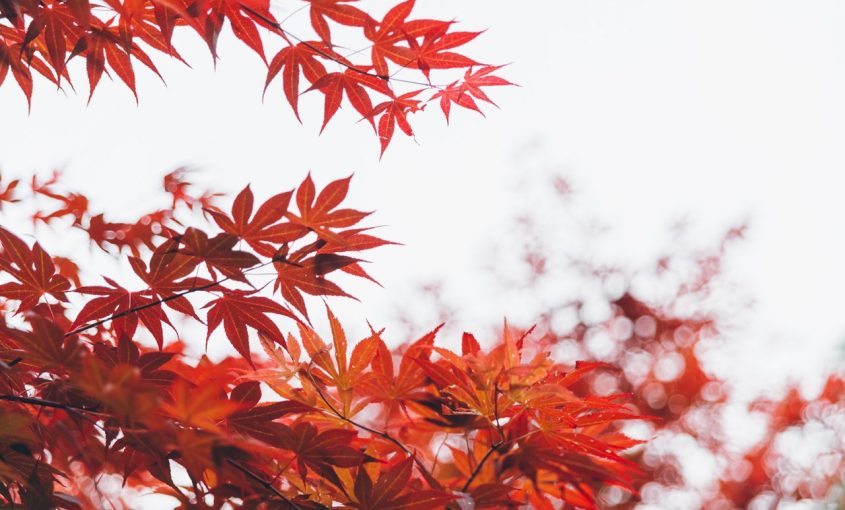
column 48, row 403
column 264, row 483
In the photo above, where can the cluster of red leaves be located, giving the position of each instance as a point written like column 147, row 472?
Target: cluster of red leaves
column 94, row 394
column 660, row 354
column 46, row 36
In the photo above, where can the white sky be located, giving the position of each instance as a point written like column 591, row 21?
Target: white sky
column 713, row 111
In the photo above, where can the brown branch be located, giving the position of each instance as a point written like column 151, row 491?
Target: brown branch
column 48, row 403
column 264, row 483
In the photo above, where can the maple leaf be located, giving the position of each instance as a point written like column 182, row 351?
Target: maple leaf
column 294, row 276
column 32, row 268
column 104, row 44
column 125, row 309
column 127, row 235
column 351, row 81
column 258, row 420
column 390, row 30
column 51, row 28
column 398, row 388
column 393, row 113
column 341, row 373
column 431, row 54
column 203, row 406
column 463, row 93
column 72, row 204
column 217, row 253
column 46, row 346
column 290, row 61
column 67, row 268
column 482, row 77
column 339, row 11
column 166, row 268
column 237, row 310
column 178, row 187
column 386, row 493
column 11, row 49
column 262, row 230
column 318, row 213
column 317, row 449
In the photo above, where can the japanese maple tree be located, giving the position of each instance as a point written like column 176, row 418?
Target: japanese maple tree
column 100, row 399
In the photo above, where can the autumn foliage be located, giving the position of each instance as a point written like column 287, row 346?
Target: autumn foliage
column 667, row 345
column 47, row 37
column 100, row 399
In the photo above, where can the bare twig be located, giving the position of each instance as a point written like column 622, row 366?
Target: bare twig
column 49, row 403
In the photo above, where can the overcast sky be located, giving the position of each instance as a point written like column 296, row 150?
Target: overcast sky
column 712, row 112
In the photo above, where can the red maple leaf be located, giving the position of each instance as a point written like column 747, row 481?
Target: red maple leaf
column 395, row 112
column 237, row 310
column 386, row 493
column 290, row 61
column 33, row 270
column 124, row 309
column 339, row 11
column 263, row 230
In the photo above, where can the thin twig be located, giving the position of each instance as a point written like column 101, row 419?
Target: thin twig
column 333, row 58
column 493, row 447
column 161, row 301
column 48, row 403
column 264, row 483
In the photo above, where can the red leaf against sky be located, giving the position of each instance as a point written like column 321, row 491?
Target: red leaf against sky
column 217, row 253
column 463, row 93
column 339, row 11
column 393, row 113
column 33, row 271
column 352, row 82
column 238, row 310
column 168, row 274
column 261, row 231
column 114, row 35
column 319, row 213
column 291, row 60
column 432, row 54
column 309, row 275
column 114, row 300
